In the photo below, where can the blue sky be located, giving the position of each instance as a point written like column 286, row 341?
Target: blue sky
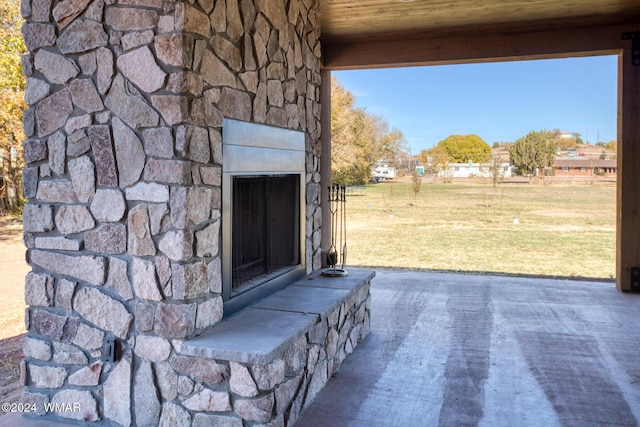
column 497, row 101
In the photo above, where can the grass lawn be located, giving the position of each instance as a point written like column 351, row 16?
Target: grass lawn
column 562, row 230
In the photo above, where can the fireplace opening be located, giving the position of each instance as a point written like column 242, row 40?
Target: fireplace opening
column 265, row 229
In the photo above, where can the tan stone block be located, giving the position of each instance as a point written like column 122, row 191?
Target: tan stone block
column 189, row 281
column 175, row 321
column 67, row 354
column 148, row 192
column 174, row 416
column 209, row 313
column 136, row 39
column 167, row 380
column 270, row 375
column 47, row 376
column 209, row 401
column 119, row 278
column 175, row 49
column 168, row 171
column 145, row 397
column 85, row 95
column 117, row 394
column 200, row 369
column 129, row 153
column 37, row 349
column 207, row 240
column 131, row 19
column 103, row 311
column 241, row 381
column 86, row 407
column 140, row 67
column 257, row 409
column 196, row 22
column 140, row 242
column 88, row 337
column 37, row 218
column 177, row 245
column 145, row 284
column 82, row 35
column 107, row 239
column 37, row 35
column 88, row 376
column 52, row 112
column 173, row 108
column 72, row 219
column 127, row 103
column 158, row 142
column 38, row 290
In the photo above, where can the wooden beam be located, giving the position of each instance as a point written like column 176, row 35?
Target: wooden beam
column 481, row 47
column 628, row 187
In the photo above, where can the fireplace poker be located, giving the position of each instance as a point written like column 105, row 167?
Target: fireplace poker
column 337, row 199
column 344, row 226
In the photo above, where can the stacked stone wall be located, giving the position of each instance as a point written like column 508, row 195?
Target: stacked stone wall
column 123, row 179
column 229, row 393
column 275, row 394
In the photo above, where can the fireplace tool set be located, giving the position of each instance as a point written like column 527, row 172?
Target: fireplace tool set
column 337, row 204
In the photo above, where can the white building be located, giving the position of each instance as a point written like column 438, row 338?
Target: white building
column 474, row 170
column 384, row 172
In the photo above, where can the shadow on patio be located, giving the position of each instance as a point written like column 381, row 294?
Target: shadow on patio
column 453, row 350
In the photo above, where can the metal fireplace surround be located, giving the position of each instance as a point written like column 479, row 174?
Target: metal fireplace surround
column 254, row 150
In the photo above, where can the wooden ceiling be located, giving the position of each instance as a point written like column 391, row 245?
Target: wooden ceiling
column 359, row 20
column 356, row 32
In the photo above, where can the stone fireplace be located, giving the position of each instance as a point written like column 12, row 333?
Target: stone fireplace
column 263, row 223
column 137, row 123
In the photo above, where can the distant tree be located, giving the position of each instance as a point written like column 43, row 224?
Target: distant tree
column 496, row 171
column 437, row 162
column 612, row 145
column 534, row 151
column 423, row 156
column 346, row 126
column 567, row 141
column 496, row 145
column 563, row 144
column 12, row 86
column 465, row 148
column 578, row 137
column 359, row 139
column 416, row 181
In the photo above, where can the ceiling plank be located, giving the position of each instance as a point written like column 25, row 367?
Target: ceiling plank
column 347, row 19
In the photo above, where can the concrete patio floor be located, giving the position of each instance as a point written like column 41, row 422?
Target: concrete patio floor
column 467, row 350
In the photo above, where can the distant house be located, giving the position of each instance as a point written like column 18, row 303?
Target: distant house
column 566, row 135
column 474, row 170
column 579, row 166
column 384, row 172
